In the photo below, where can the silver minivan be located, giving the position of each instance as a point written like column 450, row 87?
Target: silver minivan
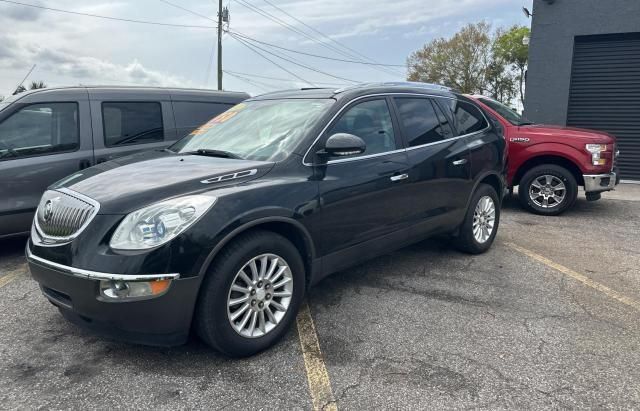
column 48, row 134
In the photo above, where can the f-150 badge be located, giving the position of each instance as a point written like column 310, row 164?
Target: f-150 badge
column 519, row 140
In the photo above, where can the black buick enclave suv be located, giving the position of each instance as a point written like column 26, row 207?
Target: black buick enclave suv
column 228, row 228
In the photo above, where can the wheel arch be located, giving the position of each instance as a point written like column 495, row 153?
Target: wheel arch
column 554, row 159
column 287, row 227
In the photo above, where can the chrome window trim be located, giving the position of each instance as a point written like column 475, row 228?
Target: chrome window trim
column 53, row 241
column 96, row 275
column 400, row 94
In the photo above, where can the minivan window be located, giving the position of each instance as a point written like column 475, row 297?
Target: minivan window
column 132, row 123
column 263, row 130
column 190, row 115
column 39, row 129
column 371, row 121
column 420, row 122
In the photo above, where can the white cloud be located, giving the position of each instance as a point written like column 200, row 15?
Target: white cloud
column 78, row 68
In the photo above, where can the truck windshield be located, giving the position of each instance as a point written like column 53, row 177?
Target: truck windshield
column 510, row 115
column 264, row 130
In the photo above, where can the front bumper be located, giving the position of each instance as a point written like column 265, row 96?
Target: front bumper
column 596, row 183
column 164, row 320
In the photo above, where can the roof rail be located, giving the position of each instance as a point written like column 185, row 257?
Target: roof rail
column 430, row 86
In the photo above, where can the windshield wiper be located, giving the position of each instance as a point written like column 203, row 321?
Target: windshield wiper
column 526, row 123
column 216, row 153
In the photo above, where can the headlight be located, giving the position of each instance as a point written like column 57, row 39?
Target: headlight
column 159, row 223
column 596, row 150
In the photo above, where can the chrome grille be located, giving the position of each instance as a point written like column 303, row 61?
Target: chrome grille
column 63, row 214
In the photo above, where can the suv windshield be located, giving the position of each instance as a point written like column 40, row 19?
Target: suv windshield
column 508, row 114
column 264, row 130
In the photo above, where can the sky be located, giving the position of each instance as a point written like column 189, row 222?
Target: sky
column 71, row 49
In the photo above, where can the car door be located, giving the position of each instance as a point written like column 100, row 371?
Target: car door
column 362, row 197
column 440, row 164
column 480, row 137
column 40, row 143
column 124, row 124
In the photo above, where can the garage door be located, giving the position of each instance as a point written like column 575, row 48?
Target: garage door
column 605, row 93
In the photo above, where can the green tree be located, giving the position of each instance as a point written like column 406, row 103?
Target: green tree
column 459, row 62
column 33, row 86
column 511, row 48
column 37, row 84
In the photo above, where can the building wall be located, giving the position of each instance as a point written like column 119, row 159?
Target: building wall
column 553, row 29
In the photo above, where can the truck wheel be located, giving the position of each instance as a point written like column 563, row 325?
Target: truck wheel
column 548, row 189
column 480, row 226
column 251, row 294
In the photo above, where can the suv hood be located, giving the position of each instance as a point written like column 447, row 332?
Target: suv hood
column 129, row 183
column 588, row 136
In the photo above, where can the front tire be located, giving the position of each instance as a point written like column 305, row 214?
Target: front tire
column 548, row 189
column 480, row 225
column 251, row 294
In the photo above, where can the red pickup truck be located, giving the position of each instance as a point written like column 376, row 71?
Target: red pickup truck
column 548, row 163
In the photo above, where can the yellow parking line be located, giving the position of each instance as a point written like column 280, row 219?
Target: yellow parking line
column 11, row 275
column 579, row 277
column 317, row 376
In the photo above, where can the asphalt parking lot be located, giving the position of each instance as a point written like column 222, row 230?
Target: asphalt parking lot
column 547, row 319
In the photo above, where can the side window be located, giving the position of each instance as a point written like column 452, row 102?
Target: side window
column 469, row 118
column 191, row 115
column 132, row 123
column 371, row 121
column 420, row 122
column 40, row 129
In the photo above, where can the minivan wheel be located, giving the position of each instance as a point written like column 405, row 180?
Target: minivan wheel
column 251, row 294
column 548, row 189
column 480, row 226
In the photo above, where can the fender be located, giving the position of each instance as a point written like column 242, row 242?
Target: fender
column 252, row 219
column 481, row 177
column 565, row 151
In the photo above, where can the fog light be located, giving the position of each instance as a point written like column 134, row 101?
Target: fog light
column 119, row 290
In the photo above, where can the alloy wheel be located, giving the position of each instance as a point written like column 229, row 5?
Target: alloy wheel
column 547, row 191
column 484, row 218
column 260, row 295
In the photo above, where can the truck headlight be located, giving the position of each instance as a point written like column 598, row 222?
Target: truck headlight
column 159, row 223
column 596, row 150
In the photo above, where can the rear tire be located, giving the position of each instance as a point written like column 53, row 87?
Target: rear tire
column 254, row 254
column 480, row 225
column 548, row 189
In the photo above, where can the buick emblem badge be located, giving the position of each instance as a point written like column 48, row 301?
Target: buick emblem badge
column 48, row 211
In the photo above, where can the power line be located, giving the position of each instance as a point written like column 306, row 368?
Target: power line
column 249, row 81
column 244, row 36
column 322, row 34
column 293, row 61
column 155, row 23
column 279, row 78
column 189, row 11
column 288, row 26
column 271, row 61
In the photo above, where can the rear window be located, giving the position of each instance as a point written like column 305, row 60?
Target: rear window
column 191, row 115
column 420, row 122
column 467, row 117
column 127, row 123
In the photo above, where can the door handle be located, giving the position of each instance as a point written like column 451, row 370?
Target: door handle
column 460, row 162
column 399, row 177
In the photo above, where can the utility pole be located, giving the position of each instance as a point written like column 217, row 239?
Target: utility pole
column 220, row 44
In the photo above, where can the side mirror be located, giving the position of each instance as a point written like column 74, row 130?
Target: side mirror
column 343, row 144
